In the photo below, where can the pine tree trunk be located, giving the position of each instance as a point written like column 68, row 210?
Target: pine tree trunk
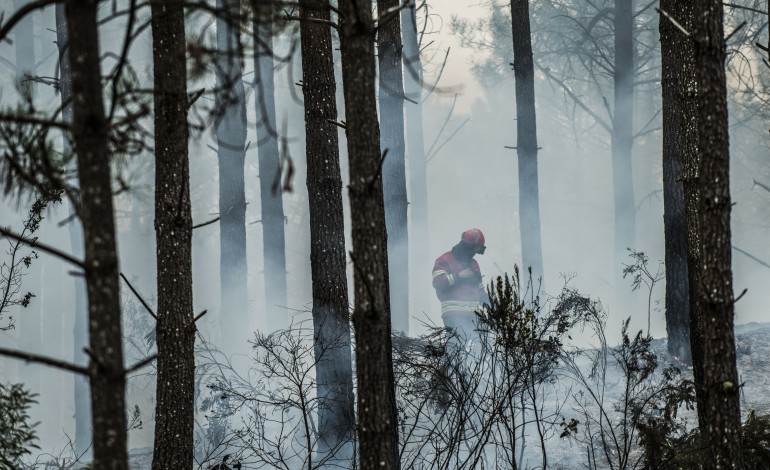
column 32, row 319
column 80, row 333
column 622, row 131
column 715, row 290
column 377, row 418
column 270, row 187
column 90, row 131
column 678, row 145
column 175, row 331
column 419, row 246
column 526, row 145
column 231, row 152
column 391, row 93
column 334, row 370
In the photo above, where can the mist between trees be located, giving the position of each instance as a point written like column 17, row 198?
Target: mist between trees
column 219, row 220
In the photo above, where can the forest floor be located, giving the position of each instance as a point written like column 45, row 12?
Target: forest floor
column 753, row 353
column 753, row 357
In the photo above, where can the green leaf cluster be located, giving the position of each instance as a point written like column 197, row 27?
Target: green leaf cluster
column 17, row 433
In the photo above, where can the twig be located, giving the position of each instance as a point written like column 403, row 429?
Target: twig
column 673, row 21
column 194, row 97
column 45, row 360
column 136, row 293
column 341, row 125
column 206, row 223
column 741, row 7
column 751, row 256
column 765, row 187
column 20, row 14
column 740, row 296
column 438, row 77
column 199, row 316
column 740, row 26
column 48, row 249
column 575, row 99
column 140, row 364
column 379, row 169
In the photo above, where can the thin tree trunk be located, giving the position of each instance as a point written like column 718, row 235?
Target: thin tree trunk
column 377, row 418
column 334, row 370
column 526, row 145
column 90, row 131
column 715, row 290
column 419, row 247
column 174, row 409
column 678, row 108
column 394, row 167
column 270, row 188
column 231, row 151
column 622, row 131
column 31, row 321
column 80, row 333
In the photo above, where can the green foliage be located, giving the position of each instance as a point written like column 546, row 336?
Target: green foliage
column 17, row 434
column 12, row 270
column 29, row 163
column 756, row 441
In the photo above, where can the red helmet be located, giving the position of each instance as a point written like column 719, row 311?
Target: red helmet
column 474, row 237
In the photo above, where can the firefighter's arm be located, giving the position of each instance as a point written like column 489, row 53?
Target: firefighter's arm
column 442, row 278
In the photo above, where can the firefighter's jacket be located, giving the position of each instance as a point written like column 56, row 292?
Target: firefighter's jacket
column 457, row 296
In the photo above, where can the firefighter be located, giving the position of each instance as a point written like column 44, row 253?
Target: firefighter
column 459, row 286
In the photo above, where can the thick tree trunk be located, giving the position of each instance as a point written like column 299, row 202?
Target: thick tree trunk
column 394, row 167
column 80, row 333
column 174, row 409
column 377, row 418
column 715, row 290
column 334, row 370
column 678, row 145
column 231, row 151
column 270, row 188
column 90, row 131
column 526, row 145
column 622, row 131
column 419, row 247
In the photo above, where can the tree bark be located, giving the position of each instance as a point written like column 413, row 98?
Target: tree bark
column 80, row 329
column 715, row 290
column 334, row 370
column 678, row 145
column 231, row 152
column 377, row 418
column 622, row 130
column 419, row 246
column 175, row 330
column 526, row 145
column 270, row 187
column 90, row 131
column 391, row 88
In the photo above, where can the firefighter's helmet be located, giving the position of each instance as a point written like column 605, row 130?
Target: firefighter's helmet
column 475, row 238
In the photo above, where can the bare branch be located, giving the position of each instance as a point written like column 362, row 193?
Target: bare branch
column 48, row 249
column 140, row 364
column 136, row 293
column 746, row 253
column 577, row 100
column 20, row 14
column 45, row 360
column 674, row 22
column 741, row 7
column 209, row 222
